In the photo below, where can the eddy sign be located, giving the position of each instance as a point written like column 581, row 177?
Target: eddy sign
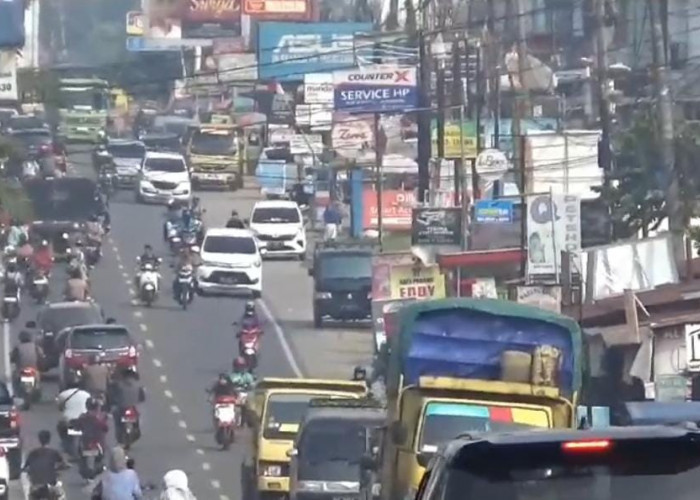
column 376, row 89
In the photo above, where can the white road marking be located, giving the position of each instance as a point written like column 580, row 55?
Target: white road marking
column 206, row 466
column 6, row 354
column 116, row 250
column 200, row 451
column 26, row 485
column 215, row 484
column 143, row 327
column 182, row 424
column 164, row 379
column 134, row 302
column 168, row 394
column 190, row 438
column 126, row 275
column 223, row 497
column 132, row 292
column 120, row 266
column 157, row 362
column 149, row 343
column 174, row 409
column 282, row 339
column 138, row 314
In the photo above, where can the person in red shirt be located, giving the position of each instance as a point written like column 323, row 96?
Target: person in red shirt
column 42, row 260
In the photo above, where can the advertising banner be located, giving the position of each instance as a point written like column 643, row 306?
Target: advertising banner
column 544, row 297
column 417, row 282
column 317, row 116
column 12, row 24
column 301, row 144
column 397, row 209
column 288, row 51
column 436, row 226
column 213, row 11
column 377, row 88
column 142, row 44
column 232, row 67
column 352, row 137
column 134, row 23
column 452, row 143
column 8, row 76
column 278, row 10
column 163, row 19
column 493, row 212
column 318, row 88
column 553, row 225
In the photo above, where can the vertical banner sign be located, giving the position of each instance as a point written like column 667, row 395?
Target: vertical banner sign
column 553, row 225
column 318, row 88
column 376, row 89
column 8, row 76
column 288, row 51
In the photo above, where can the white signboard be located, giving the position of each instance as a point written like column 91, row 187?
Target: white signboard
column 352, row 137
column 692, row 347
column 280, row 134
column 300, row 144
column 491, row 164
column 8, row 76
column 544, row 297
column 318, row 88
column 316, row 116
column 553, row 225
column 237, row 67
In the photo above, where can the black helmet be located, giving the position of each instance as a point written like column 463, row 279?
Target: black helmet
column 11, row 267
column 25, row 337
column 44, row 437
column 223, row 378
column 250, row 306
column 234, row 213
column 91, row 404
column 359, row 373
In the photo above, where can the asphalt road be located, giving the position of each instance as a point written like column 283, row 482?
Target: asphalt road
column 183, row 351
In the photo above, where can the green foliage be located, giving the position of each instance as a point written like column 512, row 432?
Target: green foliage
column 15, row 201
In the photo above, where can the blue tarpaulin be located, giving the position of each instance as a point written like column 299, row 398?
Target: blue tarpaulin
column 11, row 24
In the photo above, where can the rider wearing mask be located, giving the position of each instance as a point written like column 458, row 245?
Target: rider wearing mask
column 127, row 392
column 42, row 463
column 96, row 377
column 241, row 376
column 119, row 482
column 77, row 287
column 176, row 486
column 72, row 403
column 93, row 424
column 235, row 222
column 26, row 355
column 42, row 260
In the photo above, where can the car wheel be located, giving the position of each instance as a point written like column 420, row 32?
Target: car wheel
column 318, row 319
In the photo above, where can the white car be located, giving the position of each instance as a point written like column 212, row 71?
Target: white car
column 279, row 228
column 230, row 262
column 163, row 177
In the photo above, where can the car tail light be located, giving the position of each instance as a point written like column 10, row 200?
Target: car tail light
column 3, row 452
column 14, row 419
column 69, row 354
column 587, row 446
column 29, row 371
column 129, row 412
column 132, row 352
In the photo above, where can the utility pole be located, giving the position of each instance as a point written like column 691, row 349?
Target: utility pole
column 521, row 99
column 604, row 151
column 664, row 108
column 424, row 132
column 493, row 54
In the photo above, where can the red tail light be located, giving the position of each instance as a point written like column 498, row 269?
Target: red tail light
column 130, row 412
column 133, row 353
column 14, row 419
column 29, row 371
column 68, row 354
column 588, row 446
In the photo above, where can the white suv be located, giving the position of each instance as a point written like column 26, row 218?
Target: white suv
column 279, row 228
column 163, row 177
column 230, row 261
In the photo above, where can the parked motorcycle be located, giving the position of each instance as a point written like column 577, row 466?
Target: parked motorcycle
column 128, row 427
column 249, row 344
column 185, row 284
column 226, row 419
column 149, row 280
column 40, row 286
column 28, row 386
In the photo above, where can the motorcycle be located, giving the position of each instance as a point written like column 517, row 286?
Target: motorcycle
column 40, row 286
column 148, row 284
column 29, row 389
column 47, row 491
column 93, row 253
column 128, row 427
column 185, row 283
column 91, row 459
column 173, row 237
column 10, row 305
column 226, row 419
column 107, row 183
column 249, row 344
column 71, row 440
column 189, row 238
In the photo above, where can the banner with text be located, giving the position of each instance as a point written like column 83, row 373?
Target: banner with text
column 453, row 150
column 318, row 88
column 134, row 23
column 376, row 89
column 278, row 10
column 397, row 209
column 8, row 76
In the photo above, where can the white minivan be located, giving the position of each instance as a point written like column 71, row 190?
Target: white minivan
column 279, row 228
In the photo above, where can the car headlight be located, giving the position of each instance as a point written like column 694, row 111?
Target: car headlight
column 323, row 295
column 257, row 263
column 147, row 187
column 271, row 470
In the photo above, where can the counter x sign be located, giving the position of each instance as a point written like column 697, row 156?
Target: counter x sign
column 402, row 75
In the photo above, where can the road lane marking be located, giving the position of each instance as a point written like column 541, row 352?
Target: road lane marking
column 282, row 339
column 134, row 302
column 126, row 275
column 182, row 424
column 6, row 354
column 138, row 314
column 174, row 409
column 206, row 466
column 157, row 362
column 120, row 266
column 200, row 451
column 223, row 497
column 164, row 379
column 215, row 484
column 168, row 394
column 149, row 343
column 190, row 438
column 143, row 327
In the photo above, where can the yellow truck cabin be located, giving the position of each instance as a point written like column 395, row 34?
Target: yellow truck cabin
column 276, row 409
column 214, row 156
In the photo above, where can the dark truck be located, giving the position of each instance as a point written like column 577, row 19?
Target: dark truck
column 62, row 206
column 334, row 436
column 342, row 272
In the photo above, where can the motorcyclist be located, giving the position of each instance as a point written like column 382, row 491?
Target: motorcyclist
column 172, row 218
column 77, row 287
column 42, row 464
column 15, row 233
column 235, row 221
column 71, row 403
column 42, row 260
column 196, row 208
column 77, row 261
column 127, row 392
column 27, row 354
column 185, row 258
column 14, row 280
column 119, row 482
column 148, row 257
column 250, row 317
column 176, row 486
column 95, row 231
column 241, row 376
column 25, row 251
column 96, row 377
column 93, row 424
column 223, row 386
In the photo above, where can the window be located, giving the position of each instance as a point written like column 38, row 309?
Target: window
column 283, row 414
column 213, row 144
column 113, row 338
column 345, row 266
column 230, row 245
column 127, row 151
column 275, row 215
column 172, row 165
column 55, row 320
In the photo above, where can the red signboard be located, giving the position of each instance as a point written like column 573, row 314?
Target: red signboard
column 289, row 10
column 396, row 209
column 213, row 11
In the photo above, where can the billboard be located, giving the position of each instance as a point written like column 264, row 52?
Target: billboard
column 397, row 209
column 232, row 67
column 8, row 76
column 436, row 226
column 288, row 51
column 278, row 10
column 134, row 23
column 11, row 24
column 453, row 149
column 163, row 19
column 316, row 116
column 376, row 89
column 212, row 11
column 352, row 137
column 318, row 88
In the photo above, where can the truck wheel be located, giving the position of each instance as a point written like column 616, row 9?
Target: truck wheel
column 256, row 294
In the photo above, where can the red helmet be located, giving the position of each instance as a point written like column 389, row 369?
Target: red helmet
column 239, row 363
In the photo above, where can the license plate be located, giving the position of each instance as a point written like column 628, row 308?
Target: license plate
column 184, row 280
column 74, row 432
column 225, row 414
column 127, row 420
column 229, row 281
column 10, row 299
column 90, row 453
column 82, row 129
column 27, row 379
column 275, row 245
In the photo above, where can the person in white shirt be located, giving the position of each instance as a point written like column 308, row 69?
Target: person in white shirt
column 71, row 403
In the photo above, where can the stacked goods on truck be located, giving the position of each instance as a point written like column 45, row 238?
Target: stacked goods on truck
column 471, row 365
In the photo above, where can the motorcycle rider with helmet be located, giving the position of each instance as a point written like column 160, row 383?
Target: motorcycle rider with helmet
column 77, row 261
column 42, row 465
column 95, row 230
column 42, row 260
column 72, row 403
column 250, row 316
column 147, row 257
column 27, row 354
column 126, row 392
column 13, row 280
column 235, row 222
column 77, row 287
column 94, row 426
column 186, row 258
column 223, row 386
column 172, row 218
column 96, row 377
column 241, row 376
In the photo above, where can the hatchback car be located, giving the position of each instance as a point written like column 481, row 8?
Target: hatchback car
column 279, row 228
column 230, row 262
column 114, row 345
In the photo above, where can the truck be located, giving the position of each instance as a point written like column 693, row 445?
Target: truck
column 83, row 109
column 213, row 155
column 461, row 365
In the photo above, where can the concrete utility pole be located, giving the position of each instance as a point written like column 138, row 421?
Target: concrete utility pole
column 521, row 101
column 664, row 107
column 601, row 50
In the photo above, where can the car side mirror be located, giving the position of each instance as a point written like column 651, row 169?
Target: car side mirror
column 110, row 321
column 292, row 452
column 398, row 433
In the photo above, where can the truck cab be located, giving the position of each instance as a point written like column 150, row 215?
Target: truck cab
column 84, row 108
column 277, row 407
column 214, row 156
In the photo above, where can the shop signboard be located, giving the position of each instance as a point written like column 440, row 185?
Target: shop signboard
column 453, row 150
column 134, row 23
column 436, row 226
column 376, row 89
column 12, row 35
column 397, row 209
column 317, row 116
column 213, row 11
column 493, row 212
column 288, row 51
column 278, row 10
column 318, row 88
column 8, row 76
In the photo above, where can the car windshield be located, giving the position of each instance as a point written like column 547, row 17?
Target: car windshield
column 96, row 339
column 162, row 144
column 20, row 122
column 345, row 266
column 640, row 470
column 283, row 414
column 275, row 215
column 34, row 137
column 443, row 422
column 82, row 99
column 229, row 244
column 172, row 165
column 57, row 318
column 135, row 151
column 213, row 144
